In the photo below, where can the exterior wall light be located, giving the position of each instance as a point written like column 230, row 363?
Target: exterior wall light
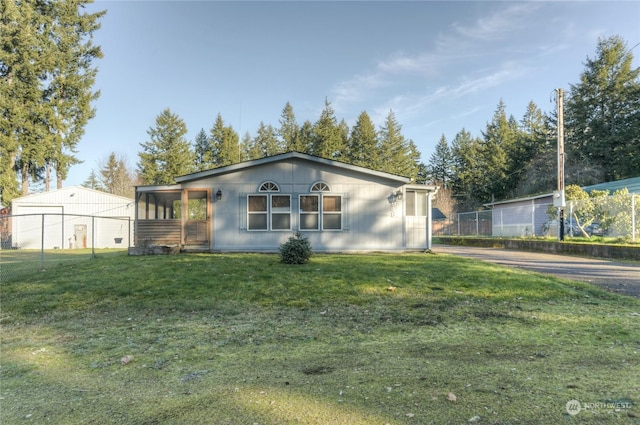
column 395, row 196
column 218, row 195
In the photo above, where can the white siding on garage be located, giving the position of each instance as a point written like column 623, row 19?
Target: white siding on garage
column 108, row 219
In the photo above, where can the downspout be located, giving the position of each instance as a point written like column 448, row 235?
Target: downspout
column 430, row 218
column 404, row 219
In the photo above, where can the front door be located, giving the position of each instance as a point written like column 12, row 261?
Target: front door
column 196, row 230
column 416, row 219
column 79, row 236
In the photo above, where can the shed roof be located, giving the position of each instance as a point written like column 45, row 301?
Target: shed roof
column 44, row 196
column 511, row 201
column 632, row 184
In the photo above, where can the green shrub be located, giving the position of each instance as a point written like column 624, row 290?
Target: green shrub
column 297, row 250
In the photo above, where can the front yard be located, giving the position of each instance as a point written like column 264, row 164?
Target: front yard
column 344, row 339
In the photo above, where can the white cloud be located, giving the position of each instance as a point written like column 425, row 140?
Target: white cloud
column 496, row 26
column 454, row 52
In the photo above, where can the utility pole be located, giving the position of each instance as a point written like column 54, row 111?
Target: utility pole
column 560, row 201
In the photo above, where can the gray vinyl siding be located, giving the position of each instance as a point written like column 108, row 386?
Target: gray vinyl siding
column 367, row 222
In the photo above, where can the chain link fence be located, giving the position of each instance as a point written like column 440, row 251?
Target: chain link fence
column 616, row 216
column 32, row 242
column 475, row 223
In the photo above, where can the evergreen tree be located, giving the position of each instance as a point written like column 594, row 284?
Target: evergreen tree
column 536, row 153
column 115, row 177
column 289, row 131
column 362, row 147
column 69, row 96
column 266, row 142
column 167, row 153
column 397, row 155
column 92, row 182
column 204, row 155
column 46, row 79
column 467, row 169
column 225, row 143
column 23, row 63
column 499, row 142
column 328, row 141
column 602, row 114
column 306, row 138
column 246, row 144
column 441, row 163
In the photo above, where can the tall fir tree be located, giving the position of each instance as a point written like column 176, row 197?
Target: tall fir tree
column 467, row 169
column 307, row 137
column 328, row 140
column 499, row 140
column 204, row 155
column 266, row 142
column 46, row 76
column 536, row 152
column 440, row 166
column 362, row 147
column 167, row 153
column 602, row 113
column 24, row 61
column 92, row 181
column 225, row 143
column 289, row 131
column 116, row 178
column 70, row 93
column 246, row 145
column 396, row 154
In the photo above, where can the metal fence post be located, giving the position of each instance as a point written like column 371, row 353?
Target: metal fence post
column 633, row 217
column 42, row 245
column 93, row 236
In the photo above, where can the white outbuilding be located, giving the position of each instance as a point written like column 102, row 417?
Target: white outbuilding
column 71, row 218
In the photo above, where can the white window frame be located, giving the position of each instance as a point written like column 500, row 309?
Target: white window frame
column 315, row 213
column 331, row 213
column 418, row 208
column 256, row 213
column 279, row 212
column 321, row 190
column 268, row 190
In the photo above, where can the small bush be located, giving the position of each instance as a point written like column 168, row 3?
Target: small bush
column 297, row 250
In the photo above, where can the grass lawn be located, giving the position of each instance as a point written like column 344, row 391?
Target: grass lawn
column 344, row 339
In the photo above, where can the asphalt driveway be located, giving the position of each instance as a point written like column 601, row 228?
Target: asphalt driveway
column 620, row 277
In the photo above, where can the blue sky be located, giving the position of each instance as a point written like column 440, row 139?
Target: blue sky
column 440, row 66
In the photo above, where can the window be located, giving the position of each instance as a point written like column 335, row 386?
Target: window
column 331, row 212
column 280, row 212
column 257, row 211
column 320, row 211
column 269, row 187
column 269, row 211
column 320, row 187
column 416, row 203
column 309, row 212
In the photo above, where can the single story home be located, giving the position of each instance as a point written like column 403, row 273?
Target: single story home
column 255, row 206
column 72, row 217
